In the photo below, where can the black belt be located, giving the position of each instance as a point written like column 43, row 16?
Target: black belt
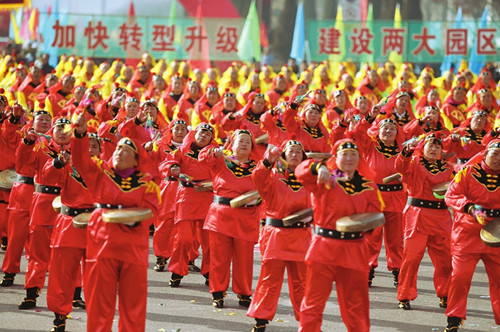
column 390, row 187
column 47, row 189
column 25, row 179
column 107, row 206
column 279, row 223
column 227, row 201
column 66, row 210
column 423, row 203
column 333, row 234
column 170, row 178
column 492, row 213
column 3, row 202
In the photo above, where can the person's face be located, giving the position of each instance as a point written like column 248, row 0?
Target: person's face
column 117, row 67
column 384, row 75
column 151, row 111
column 234, row 75
column 127, row 74
column 485, row 98
column 124, row 158
column 312, row 117
column 62, row 135
column 94, row 148
column 42, row 123
column 179, row 131
column 477, row 123
column 347, row 160
column 104, row 67
column 302, row 89
column 50, row 81
column 432, row 151
column 198, row 74
column 194, row 90
column 144, row 74
column 242, row 145
column 293, row 156
column 212, row 96
column 131, row 109
column 212, row 75
column 347, row 81
column 388, row 133
column 308, row 77
column 426, row 80
column 340, row 99
column 258, row 105
column 202, row 137
column 185, row 69
column 402, row 102
column 373, row 77
column 159, row 82
column 68, row 84
column 229, row 103
column 320, row 97
column 79, row 94
column 485, row 78
column 363, row 105
column 492, row 159
column 21, row 74
column 255, row 81
column 89, row 67
column 460, row 80
column 177, row 85
column 433, row 95
column 458, row 94
column 266, row 71
column 36, row 73
column 323, row 73
column 433, row 114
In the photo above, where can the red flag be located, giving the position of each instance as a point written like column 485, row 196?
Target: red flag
column 199, row 52
column 130, row 31
column 263, row 35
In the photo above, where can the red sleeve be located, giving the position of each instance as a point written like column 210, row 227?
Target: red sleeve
column 84, row 164
column 413, row 128
column 262, row 178
column 455, row 196
column 360, row 133
column 289, row 120
column 229, row 124
column 307, row 172
column 269, row 124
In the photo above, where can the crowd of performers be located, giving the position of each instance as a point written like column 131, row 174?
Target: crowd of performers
column 184, row 143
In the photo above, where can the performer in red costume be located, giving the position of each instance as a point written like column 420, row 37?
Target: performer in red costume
column 232, row 231
column 427, row 219
column 474, row 196
column 68, row 243
column 117, row 254
column 281, row 246
column 333, row 256
column 189, row 221
column 380, row 145
column 43, row 215
column 20, row 202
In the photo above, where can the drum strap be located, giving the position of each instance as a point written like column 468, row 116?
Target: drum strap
column 492, row 213
column 333, row 234
column 47, row 189
column 107, row 206
column 423, row 203
column 67, row 211
column 279, row 223
column 390, row 187
column 25, row 179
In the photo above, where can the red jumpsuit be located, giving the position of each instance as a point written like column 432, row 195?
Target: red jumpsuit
column 342, row 259
column 314, row 139
column 43, row 215
column 475, row 184
column 56, row 101
column 117, row 254
column 382, row 160
column 233, row 231
column 188, row 220
column 68, row 243
column 281, row 247
column 19, row 212
column 427, row 224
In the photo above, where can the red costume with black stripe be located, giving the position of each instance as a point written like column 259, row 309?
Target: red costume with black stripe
column 343, row 261
column 474, row 184
column 117, row 254
column 425, row 227
column 281, row 247
column 232, row 231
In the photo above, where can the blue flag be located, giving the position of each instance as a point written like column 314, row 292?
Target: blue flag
column 477, row 62
column 299, row 35
column 453, row 59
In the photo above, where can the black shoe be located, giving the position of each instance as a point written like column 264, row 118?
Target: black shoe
column 206, row 275
column 4, row 243
column 193, row 268
column 395, row 277
column 160, row 264
column 405, row 305
column 30, row 299
column 59, row 323
column 453, row 324
column 175, row 280
column 371, row 276
column 77, row 299
column 8, row 279
column 443, row 302
column 218, row 299
column 244, row 301
column 260, row 325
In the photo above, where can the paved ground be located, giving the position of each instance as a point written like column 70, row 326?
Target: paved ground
column 188, row 308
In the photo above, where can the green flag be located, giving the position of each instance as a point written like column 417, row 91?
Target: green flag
column 249, row 43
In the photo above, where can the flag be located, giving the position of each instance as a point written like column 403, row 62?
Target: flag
column 339, row 26
column 33, row 24
column 24, row 30
column 477, row 62
column 132, row 55
column 177, row 54
column 394, row 57
column 263, row 35
column 249, row 42
column 48, row 20
column 14, row 27
column 299, row 35
column 199, row 55
column 452, row 59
